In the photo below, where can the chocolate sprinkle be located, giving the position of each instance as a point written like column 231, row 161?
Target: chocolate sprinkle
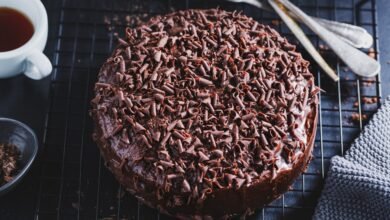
column 9, row 162
column 217, row 92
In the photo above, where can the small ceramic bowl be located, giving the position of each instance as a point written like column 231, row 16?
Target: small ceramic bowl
column 19, row 134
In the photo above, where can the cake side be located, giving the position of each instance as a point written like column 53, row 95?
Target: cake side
column 222, row 203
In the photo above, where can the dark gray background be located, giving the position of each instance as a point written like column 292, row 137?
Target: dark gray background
column 27, row 100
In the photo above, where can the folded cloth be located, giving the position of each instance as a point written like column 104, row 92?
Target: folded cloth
column 357, row 185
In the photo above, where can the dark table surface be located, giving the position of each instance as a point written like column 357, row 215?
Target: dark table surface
column 27, row 100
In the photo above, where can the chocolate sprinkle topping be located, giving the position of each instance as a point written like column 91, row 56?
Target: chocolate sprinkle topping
column 9, row 162
column 224, row 97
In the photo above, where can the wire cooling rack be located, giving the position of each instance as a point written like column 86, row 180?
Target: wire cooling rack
column 73, row 182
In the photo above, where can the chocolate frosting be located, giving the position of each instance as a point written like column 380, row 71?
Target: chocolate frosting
column 199, row 105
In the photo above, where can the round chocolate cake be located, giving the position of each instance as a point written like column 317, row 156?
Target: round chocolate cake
column 205, row 113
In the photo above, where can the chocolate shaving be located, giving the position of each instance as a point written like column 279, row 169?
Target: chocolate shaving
column 212, row 140
column 239, row 102
column 159, row 97
column 165, row 139
column 146, row 142
column 186, row 186
column 202, row 156
column 157, row 56
column 204, row 82
column 263, row 140
column 166, row 163
column 248, row 116
column 153, row 110
column 178, row 135
column 217, row 153
column 163, row 41
column 138, row 127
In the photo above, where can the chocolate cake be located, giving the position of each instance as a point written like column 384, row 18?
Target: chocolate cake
column 205, row 113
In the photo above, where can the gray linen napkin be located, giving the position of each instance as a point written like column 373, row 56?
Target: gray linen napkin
column 358, row 185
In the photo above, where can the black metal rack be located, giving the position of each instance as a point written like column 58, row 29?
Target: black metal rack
column 73, row 182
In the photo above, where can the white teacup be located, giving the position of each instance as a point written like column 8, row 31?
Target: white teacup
column 28, row 59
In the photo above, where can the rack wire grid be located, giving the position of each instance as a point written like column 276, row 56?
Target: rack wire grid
column 74, row 183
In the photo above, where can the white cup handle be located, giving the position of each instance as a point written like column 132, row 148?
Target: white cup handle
column 37, row 65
